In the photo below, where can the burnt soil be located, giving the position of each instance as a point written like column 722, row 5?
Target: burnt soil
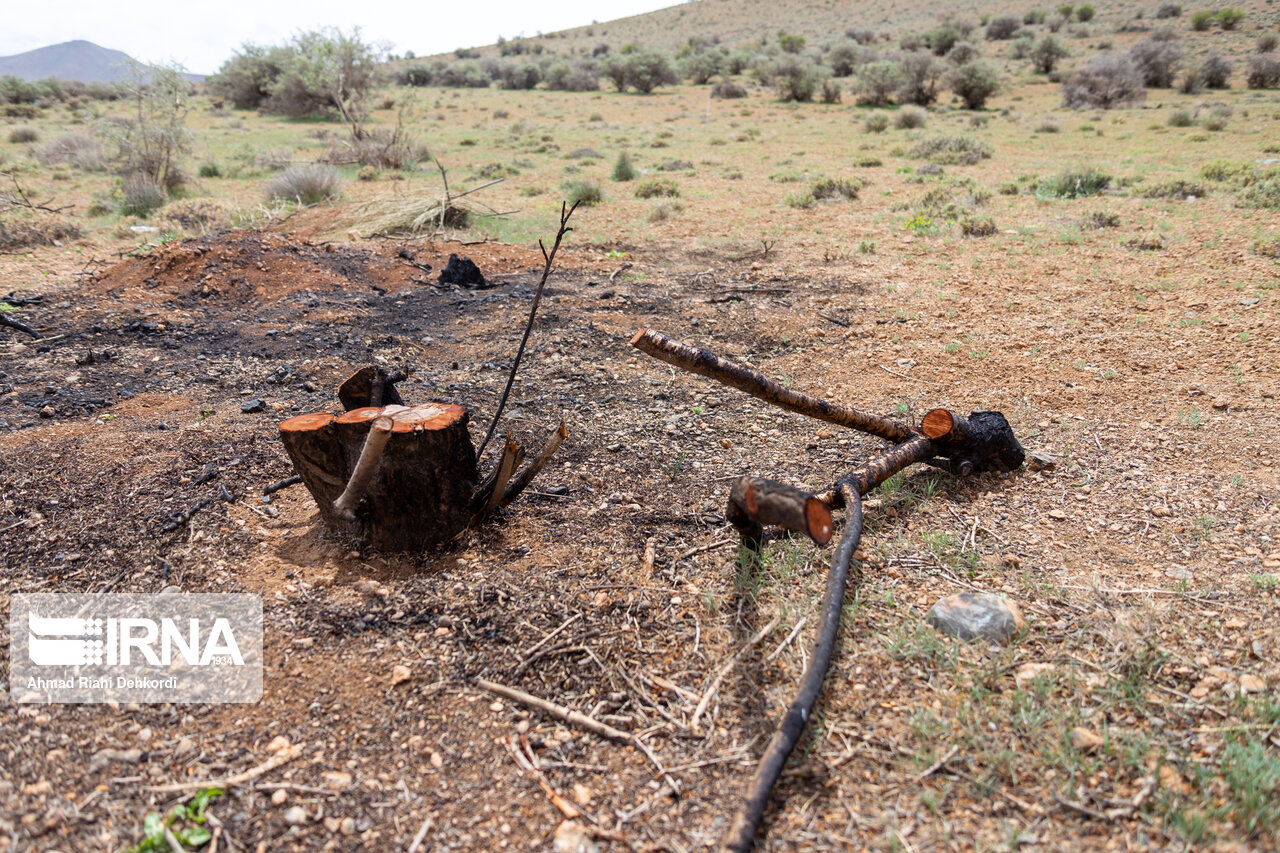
column 131, row 412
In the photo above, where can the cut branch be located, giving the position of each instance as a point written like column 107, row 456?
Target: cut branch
column 370, row 454
column 755, row 502
column 549, row 258
column 758, row 385
column 6, row 320
column 522, row 480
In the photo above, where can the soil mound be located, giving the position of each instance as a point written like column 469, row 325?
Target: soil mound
column 246, row 265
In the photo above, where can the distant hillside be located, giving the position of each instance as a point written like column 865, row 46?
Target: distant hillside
column 735, row 22
column 73, row 60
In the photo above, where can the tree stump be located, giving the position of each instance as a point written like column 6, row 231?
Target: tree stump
column 397, row 477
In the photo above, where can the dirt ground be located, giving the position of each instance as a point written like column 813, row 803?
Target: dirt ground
column 1145, row 560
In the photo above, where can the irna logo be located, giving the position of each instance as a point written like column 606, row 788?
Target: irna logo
column 56, row 641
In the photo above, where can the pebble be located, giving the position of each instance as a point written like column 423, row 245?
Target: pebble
column 279, row 743
column 337, row 780
column 1252, row 684
column 977, row 615
column 278, row 798
column 347, row 826
column 254, row 405
column 295, row 815
column 48, row 412
column 400, row 673
column 1038, row 460
column 572, row 837
column 1086, row 739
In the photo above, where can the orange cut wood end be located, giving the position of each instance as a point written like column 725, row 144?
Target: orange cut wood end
column 937, row 423
column 430, row 416
column 636, row 338
column 818, row 517
column 753, row 505
column 306, row 423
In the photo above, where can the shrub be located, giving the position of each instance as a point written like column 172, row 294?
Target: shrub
column 1267, row 42
column 325, row 72
column 1201, row 21
column 963, row 52
column 941, row 40
column 1045, row 55
column 1157, row 61
column 274, row 159
column 910, row 116
column 77, row 149
column 209, row 169
column 700, row 67
column 1262, row 191
column 583, row 191
column 1229, row 17
column 1003, row 28
column 663, row 210
column 582, row 75
column 728, row 89
column 624, row 169
column 861, row 36
column 796, row 78
column 141, row 195
column 974, row 83
column 1216, row 72
column 1218, row 115
column 1021, row 47
column 1263, row 71
column 151, row 143
column 1169, row 10
column 1049, row 124
column 835, row 189
column 1177, row 190
column 876, row 123
column 309, row 184
column 1268, row 246
column 657, row 188
column 876, row 82
column 1084, row 13
column 195, row 215
column 646, row 70
column 1182, row 118
column 1074, row 183
column 1108, row 80
column 24, row 134
column 519, row 76
column 19, row 230
column 1054, row 22
column 801, row 200
column 830, row 91
column 921, row 75
column 951, row 150
column 846, row 55
column 1098, row 220
column 247, row 77
column 978, row 226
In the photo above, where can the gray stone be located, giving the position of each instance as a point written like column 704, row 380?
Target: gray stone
column 1038, row 460
column 254, row 405
column 970, row 616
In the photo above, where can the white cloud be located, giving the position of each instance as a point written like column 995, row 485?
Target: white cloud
column 202, row 36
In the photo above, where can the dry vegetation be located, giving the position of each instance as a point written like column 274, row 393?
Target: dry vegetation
column 1105, row 277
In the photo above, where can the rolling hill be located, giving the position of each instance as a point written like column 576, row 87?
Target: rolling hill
column 73, row 60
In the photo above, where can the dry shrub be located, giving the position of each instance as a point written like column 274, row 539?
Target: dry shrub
column 664, row 209
column 19, row 230
column 1108, row 80
column 308, row 184
column 195, row 215
column 910, row 116
column 142, row 195
column 951, row 150
column 23, row 134
column 728, row 89
column 275, row 160
column 81, row 150
column 978, row 226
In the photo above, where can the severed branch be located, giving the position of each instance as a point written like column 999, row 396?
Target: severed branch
column 374, row 443
column 742, row 832
column 761, row 387
column 6, row 320
column 549, row 258
column 522, row 480
column 755, row 502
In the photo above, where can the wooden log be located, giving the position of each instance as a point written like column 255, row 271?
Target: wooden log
column 984, row 441
column 755, row 502
column 761, row 387
column 312, row 444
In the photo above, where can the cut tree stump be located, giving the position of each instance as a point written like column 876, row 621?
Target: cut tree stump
column 417, row 482
column 401, row 478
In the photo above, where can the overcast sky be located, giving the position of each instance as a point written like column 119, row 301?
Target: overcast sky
column 201, row 36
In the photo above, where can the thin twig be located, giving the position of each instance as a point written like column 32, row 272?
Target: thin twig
column 422, row 833
column 937, row 765
column 282, row 757
column 282, row 484
column 908, row 376
column 710, row 692
column 787, row 641
column 565, row 213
